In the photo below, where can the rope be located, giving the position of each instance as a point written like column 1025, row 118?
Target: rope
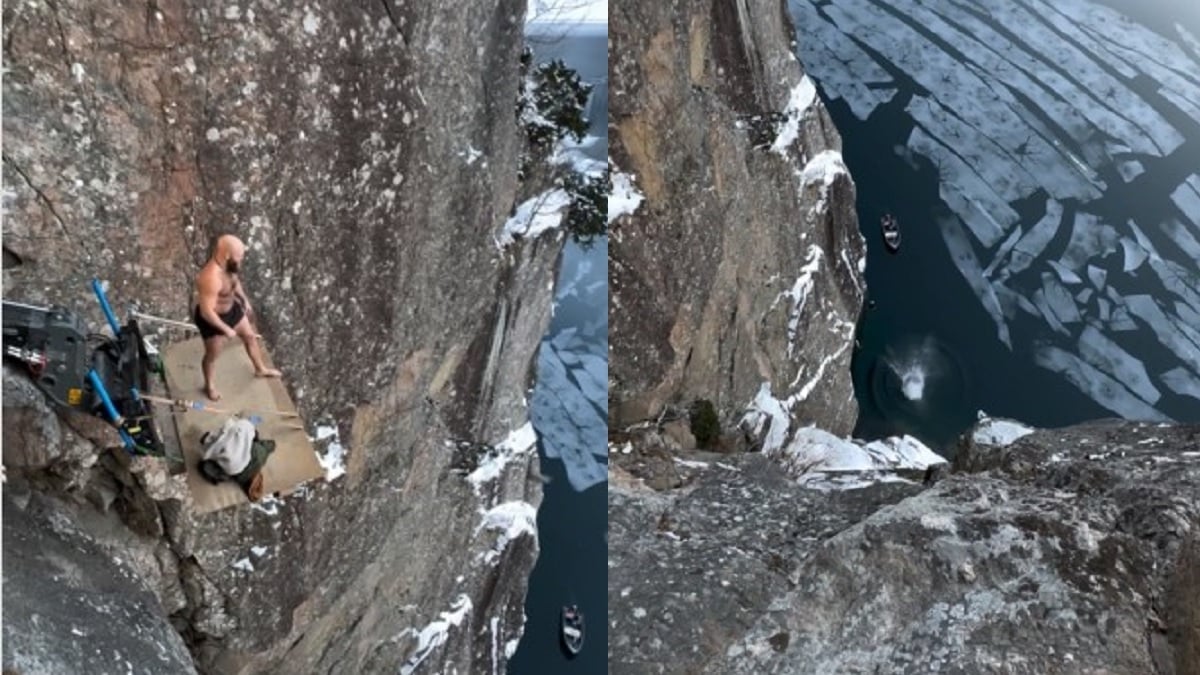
column 171, row 322
column 190, row 405
column 159, row 319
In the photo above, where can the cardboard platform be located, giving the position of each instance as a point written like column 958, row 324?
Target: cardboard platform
column 294, row 460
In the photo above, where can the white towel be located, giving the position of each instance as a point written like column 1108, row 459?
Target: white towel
column 232, row 445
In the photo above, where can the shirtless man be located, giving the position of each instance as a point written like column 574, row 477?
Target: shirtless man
column 222, row 310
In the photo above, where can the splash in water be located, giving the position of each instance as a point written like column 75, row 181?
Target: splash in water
column 914, row 365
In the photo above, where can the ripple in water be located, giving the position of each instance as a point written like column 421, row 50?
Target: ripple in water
column 918, row 383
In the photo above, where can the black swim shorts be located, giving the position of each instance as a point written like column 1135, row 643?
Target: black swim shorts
column 229, row 318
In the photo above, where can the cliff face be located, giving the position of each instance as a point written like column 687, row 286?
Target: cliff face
column 743, row 265
column 1069, row 549
column 1040, row 551
column 367, row 153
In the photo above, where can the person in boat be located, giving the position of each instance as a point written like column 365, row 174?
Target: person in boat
column 223, row 311
column 572, row 629
column 891, row 232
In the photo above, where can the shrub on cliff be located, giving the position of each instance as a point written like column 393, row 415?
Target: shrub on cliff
column 587, row 217
column 552, row 103
column 706, row 427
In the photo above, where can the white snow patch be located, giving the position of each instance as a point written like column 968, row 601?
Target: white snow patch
column 799, row 103
column 766, row 409
column 820, row 374
column 799, row 294
column 518, row 443
column 823, row 168
column 625, row 197
column 268, row 505
column 573, row 153
column 434, row 635
column 259, row 551
column 816, row 450
column 311, row 23
column 513, row 520
column 999, row 432
column 535, row 215
column 244, row 564
column 334, row 459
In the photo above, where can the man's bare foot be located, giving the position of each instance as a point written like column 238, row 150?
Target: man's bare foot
column 268, row 372
column 212, row 393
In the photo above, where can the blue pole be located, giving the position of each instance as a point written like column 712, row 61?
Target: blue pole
column 110, row 408
column 108, row 313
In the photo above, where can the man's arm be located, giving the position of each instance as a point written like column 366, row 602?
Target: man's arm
column 208, row 290
column 241, row 293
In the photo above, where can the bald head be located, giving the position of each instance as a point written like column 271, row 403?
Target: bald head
column 228, row 252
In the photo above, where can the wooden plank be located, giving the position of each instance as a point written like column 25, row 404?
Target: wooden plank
column 294, row 460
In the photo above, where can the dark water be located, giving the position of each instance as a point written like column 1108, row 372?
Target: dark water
column 572, row 564
column 921, row 306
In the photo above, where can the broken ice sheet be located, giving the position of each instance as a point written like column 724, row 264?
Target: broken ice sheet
column 1090, row 239
column 1182, row 382
column 1148, row 310
column 1108, row 356
column 1059, row 299
column 1187, row 198
column 968, row 265
column 1032, row 244
column 569, row 407
column 1182, row 238
column 1043, row 306
column 1135, row 255
column 1097, row 386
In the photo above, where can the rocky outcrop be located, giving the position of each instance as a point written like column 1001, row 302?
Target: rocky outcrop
column 69, row 607
column 743, row 263
column 368, row 155
column 1069, row 550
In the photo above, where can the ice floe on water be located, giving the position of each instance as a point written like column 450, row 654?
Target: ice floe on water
column 1044, row 102
column 569, row 407
column 1100, row 387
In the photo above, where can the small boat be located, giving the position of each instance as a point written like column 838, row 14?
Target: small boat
column 891, row 232
column 572, row 629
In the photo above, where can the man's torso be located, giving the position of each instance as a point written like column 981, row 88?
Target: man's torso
column 225, row 297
